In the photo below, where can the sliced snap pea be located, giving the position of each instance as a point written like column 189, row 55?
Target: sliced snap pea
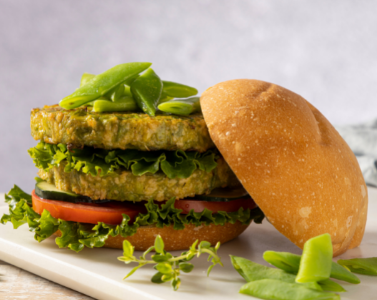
column 123, row 104
column 365, row 266
column 330, row 286
column 252, row 271
column 85, row 78
column 116, row 93
column 182, row 107
column 177, row 90
column 146, row 90
column 164, row 97
column 100, row 84
column 290, row 263
column 316, row 259
column 280, row 290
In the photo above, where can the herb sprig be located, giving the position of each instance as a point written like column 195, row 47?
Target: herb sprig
column 169, row 267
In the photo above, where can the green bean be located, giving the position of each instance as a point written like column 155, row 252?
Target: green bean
column 100, row 84
column 182, row 107
column 85, row 78
column 146, row 90
column 177, row 90
column 290, row 263
column 280, row 290
column 316, row 259
column 123, row 104
column 365, row 266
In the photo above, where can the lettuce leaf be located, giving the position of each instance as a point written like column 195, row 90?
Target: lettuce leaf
column 78, row 235
column 175, row 164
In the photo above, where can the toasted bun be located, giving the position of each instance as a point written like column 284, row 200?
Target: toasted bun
column 177, row 239
column 290, row 159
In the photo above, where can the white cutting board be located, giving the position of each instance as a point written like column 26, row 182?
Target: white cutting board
column 98, row 273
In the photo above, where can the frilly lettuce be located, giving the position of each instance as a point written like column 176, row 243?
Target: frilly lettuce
column 175, row 164
column 77, row 235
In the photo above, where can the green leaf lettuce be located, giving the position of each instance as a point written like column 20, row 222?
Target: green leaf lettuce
column 175, row 164
column 76, row 235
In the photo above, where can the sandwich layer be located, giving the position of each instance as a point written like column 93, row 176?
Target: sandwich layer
column 177, row 239
column 83, row 127
column 290, row 159
column 122, row 185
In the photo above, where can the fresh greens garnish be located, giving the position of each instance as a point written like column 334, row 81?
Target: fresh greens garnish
column 121, row 88
column 100, row 84
column 175, row 164
column 77, row 235
column 169, row 267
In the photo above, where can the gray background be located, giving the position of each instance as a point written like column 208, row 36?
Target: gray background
column 324, row 50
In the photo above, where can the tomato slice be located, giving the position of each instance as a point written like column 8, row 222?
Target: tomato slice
column 109, row 213
column 214, row 206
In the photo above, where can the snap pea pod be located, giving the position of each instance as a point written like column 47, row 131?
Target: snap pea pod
column 290, row 263
column 100, row 84
column 122, row 104
column 365, row 266
column 280, row 290
column 146, row 90
column 85, row 78
column 164, row 97
column 252, row 271
column 177, row 90
column 316, row 259
column 182, row 107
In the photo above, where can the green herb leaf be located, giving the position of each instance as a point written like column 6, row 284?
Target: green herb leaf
column 176, row 283
column 186, row 267
column 132, row 271
column 157, row 278
column 164, row 268
column 159, row 244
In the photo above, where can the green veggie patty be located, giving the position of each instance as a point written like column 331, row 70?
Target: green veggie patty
column 83, row 127
column 122, row 185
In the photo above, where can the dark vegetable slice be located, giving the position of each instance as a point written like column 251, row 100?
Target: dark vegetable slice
column 225, row 194
column 199, row 205
column 47, row 190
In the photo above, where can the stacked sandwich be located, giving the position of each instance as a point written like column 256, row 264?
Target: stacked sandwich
column 109, row 175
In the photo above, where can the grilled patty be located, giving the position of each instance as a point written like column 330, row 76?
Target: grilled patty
column 123, row 185
column 83, row 127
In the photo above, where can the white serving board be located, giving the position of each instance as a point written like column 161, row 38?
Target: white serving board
column 98, row 273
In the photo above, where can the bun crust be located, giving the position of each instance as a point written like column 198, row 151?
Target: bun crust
column 290, row 159
column 177, row 239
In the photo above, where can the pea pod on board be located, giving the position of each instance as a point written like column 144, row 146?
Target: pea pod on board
column 146, row 90
column 290, row 263
column 252, row 271
column 316, row 259
column 365, row 266
column 122, row 104
column 182, row 107
column 178, row 90
column 100, row 84
column 280, row 290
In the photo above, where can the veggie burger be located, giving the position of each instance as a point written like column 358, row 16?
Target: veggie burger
column 129, row 156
